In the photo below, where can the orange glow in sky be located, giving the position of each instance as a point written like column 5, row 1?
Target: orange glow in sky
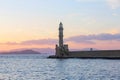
column 31, row 22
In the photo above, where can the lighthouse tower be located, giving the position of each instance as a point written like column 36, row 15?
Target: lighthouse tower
column 61, row 49
column 61, row 35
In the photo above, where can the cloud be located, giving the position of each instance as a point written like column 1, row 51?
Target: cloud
column 87, row 39
column 39, row 42
column 91, row 38
column 33, row 42
column 114, row 4
column 115, row 14
column 9, row 43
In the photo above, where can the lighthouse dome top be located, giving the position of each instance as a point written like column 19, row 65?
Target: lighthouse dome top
column 60, row 26
column 61, row 23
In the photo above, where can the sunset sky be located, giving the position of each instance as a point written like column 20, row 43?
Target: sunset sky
column 34, row 23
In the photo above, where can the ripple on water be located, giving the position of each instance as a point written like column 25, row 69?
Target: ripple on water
column 58, row 69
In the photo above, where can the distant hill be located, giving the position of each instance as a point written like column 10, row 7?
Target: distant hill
column 41, row 50
column 21, row 52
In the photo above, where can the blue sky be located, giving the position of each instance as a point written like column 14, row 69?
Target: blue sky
column 24, row 20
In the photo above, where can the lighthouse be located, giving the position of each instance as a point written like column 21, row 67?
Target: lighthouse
column 61, row 48
column 61, row 35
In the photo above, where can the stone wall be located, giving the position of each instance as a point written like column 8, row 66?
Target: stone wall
column 95, row 54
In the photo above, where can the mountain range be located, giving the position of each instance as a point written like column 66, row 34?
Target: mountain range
column 38, row 51
column 30, row 51
column 21, row 52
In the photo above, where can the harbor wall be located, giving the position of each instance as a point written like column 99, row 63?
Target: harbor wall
column 95, row 54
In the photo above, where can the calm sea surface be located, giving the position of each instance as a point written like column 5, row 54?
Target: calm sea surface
column 37, row 67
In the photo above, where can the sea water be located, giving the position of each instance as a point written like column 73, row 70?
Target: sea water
column 38, row 67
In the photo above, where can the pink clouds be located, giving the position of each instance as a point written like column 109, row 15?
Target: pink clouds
column 33, row 42
column 102, row 41
column 90, row 39
column 39, row 42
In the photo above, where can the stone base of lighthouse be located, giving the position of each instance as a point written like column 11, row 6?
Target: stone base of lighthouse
column 62, row 51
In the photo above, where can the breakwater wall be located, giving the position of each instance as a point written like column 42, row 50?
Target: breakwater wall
column 95, row 54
